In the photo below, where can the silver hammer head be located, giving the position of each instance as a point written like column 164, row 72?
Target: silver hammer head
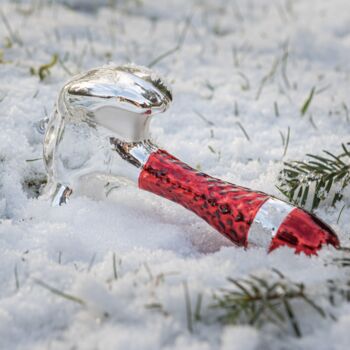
column 121, row 99
column 95, row 113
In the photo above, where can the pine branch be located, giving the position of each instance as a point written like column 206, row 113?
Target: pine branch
column 257, row 301
column 316, row 179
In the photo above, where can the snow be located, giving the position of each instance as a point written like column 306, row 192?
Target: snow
column 218, row 70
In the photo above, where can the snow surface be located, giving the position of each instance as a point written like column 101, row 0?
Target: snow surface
column 218, row 70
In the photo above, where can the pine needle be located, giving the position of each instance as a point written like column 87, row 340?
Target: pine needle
column 13, row 36
column 267, row 77
column 257, row 301
column 316, row 178
column 206, row 120
column 44, row 70
column 197, row 312
column 16, row 277
column 115, row 273
column 286, row 142
column 60, row 293
column 175, row 48
column 243, row 130
column 307, row 102
column 341, row 211
column 276, row 109
column 91, row 263
column 188, row 307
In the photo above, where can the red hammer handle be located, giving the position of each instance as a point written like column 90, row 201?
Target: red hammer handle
column 230, row 209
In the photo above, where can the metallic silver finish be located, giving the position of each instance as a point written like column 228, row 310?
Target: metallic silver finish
column 100, row 127
column 61, row 195
column 136, row 153
column 267, row 222
column 41, row 125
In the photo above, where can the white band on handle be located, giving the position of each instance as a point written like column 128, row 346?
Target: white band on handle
column 267, row 222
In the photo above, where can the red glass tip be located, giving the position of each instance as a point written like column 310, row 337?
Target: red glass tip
column 304, row 232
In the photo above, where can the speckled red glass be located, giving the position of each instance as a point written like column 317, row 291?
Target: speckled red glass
column 228, row 208
column 304, row 232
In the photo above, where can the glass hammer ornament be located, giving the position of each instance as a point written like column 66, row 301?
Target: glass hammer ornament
column 100, row 130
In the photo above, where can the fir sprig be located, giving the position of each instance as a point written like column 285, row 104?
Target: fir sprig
column 317, row 178
column 257, row 301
